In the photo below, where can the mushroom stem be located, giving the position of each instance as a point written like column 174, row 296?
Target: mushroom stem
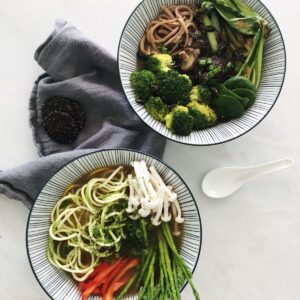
column 161, row 196
column 166, row 216
column 176, row 231
column 137, row 189
column 178, row 218
column 156, row 176
column 130, row 208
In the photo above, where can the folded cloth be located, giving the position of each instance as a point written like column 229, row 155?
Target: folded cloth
column 78, row 69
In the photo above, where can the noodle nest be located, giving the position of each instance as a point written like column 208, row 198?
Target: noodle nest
column 170, row 29
column 87, row 223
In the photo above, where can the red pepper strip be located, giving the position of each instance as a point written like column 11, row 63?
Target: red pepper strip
column 97, row 270
column 112, row 289
column 120, row 280
column 113, row 274
column 99, row 279
column 81, row 285
column 97, row 292
column 131, row 264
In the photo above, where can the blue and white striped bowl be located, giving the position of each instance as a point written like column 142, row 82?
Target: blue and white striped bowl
column 57, row 283
column 273, row 74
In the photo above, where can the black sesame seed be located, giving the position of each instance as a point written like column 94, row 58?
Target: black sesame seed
column 61, row 127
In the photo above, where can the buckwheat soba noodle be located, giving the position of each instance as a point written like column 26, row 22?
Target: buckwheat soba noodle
column 170, row 28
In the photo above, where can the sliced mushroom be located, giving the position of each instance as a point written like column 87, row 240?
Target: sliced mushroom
column 188, row 59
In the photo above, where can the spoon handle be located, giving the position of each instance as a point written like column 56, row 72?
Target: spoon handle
column 266, row 168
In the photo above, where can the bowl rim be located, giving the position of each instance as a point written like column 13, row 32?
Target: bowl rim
column 216, row 143
column 108, row 150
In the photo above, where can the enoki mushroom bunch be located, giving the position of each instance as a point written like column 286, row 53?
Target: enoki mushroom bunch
column 150, row 196
column 170, row 29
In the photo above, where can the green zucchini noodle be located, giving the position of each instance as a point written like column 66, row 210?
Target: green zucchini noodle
column 87, row 222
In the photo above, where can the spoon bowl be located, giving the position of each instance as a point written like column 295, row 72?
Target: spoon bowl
column 222, row 182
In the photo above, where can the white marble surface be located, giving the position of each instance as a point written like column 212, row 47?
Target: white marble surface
column 251, row 240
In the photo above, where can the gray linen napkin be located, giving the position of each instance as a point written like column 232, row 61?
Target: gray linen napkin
column 77, row 68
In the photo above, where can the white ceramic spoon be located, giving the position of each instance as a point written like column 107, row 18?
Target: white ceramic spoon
column 223, row 182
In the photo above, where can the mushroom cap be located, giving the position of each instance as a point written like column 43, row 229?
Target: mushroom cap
column 153, row 204
column 144, row 212
column 188, row 59
column 155, row 222
column 179, row 220
column 166, row 218
column 134, row 217
column 130, row 210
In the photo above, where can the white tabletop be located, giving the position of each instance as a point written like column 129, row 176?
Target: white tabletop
column 251, row 240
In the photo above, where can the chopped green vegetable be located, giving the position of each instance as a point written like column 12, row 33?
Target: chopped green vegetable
column 215, row 71
column 136, row 232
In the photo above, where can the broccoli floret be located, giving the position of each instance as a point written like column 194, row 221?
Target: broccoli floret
column 203, row 115
column 143, row 83
column 159, row 63
column 156, row 108
column 173, row 87
column 200, row 94
column 179, row 121
column 195, row 94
